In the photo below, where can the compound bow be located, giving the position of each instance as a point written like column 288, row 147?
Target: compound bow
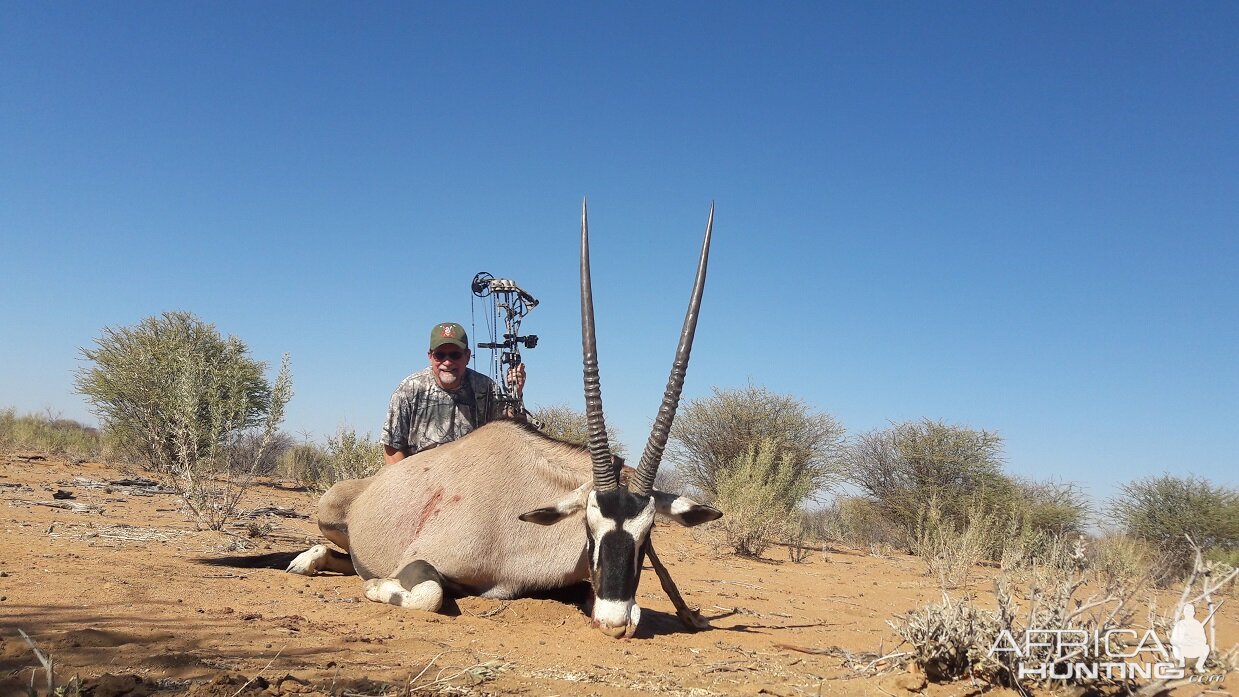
column 509, row 304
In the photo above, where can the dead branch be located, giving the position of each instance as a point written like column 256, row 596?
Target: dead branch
column 256, row 675
column 44, row 659
column 814, row 650
column 67, row 505
column 276, row 511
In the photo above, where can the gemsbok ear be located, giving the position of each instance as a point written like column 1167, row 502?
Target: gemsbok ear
column 564, row 508
column 684, row 510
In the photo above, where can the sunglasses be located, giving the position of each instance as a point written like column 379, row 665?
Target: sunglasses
column 444, row 355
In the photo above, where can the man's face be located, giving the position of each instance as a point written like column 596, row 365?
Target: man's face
column 448, row 363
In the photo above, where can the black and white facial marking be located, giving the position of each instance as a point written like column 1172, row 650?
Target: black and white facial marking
column 617, row 529
column 617, row 525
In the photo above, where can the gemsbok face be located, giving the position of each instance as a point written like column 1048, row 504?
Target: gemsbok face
column 618, row 520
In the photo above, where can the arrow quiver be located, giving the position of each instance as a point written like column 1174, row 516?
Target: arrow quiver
column 508, row 305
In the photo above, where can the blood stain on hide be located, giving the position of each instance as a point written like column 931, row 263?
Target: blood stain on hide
column 429, row 510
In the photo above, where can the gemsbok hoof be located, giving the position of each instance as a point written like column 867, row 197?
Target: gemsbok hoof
column 309, row 562
column 427, row 595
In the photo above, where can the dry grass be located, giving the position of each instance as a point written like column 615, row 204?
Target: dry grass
column 50, row 434
column 346, row 455
column 951, row 553
column 1066, row 588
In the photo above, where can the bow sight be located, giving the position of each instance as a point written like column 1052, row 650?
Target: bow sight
column 509, row 305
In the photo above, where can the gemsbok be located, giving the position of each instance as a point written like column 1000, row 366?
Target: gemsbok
column 499, row 512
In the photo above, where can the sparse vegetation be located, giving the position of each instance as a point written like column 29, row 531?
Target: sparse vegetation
column 858, row 521
column 1052, row 507
column 346, row 455
column 569, row 425
column 798, row 544
column 1009, row 646
column 951, row 550
column 713, row 433
column 930, row 488
column 957, row 639
column 903, row 468
column 187, row 403
column 258, row 530
column 1059, row 578
column 810, row 530
column 760, row 493
column 1168, row 510
column 48, row 433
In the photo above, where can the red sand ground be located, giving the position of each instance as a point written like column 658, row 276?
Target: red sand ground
column 116, row 598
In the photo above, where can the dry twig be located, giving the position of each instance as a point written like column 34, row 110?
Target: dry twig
column 44, row 659
column 256, row 675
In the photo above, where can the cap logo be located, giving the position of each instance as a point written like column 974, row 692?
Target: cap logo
column 447, row 331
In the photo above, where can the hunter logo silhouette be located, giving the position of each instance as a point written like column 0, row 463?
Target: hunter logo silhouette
column 1187, row 639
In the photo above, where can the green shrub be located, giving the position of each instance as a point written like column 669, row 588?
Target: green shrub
column 1041, row 518
column 345, row 456
column 1053, row 507
column 259, row 455
column 940, row 491
column 760, row 493
column 710, row 433
column 1166, row 510
column 799, row 538
column 902, row 468
column 184, row 401
column 1228, row 557
column 571, row 426
column 859, row 522
column 1120, row 562
column 350, row 456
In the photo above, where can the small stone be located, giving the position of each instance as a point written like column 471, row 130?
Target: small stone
column 905, row 682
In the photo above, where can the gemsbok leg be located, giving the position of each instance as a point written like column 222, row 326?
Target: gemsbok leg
column 333, row 510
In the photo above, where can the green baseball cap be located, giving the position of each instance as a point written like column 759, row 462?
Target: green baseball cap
column 449, row 333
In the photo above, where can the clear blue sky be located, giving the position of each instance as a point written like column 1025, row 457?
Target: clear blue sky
column 1013, row 216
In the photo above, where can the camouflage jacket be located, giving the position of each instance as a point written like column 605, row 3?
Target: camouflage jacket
column 422, row 415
